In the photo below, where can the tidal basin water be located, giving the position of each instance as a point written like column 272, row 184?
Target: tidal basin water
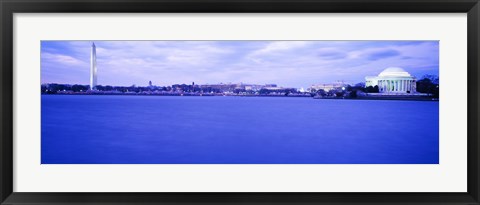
column 236, row 130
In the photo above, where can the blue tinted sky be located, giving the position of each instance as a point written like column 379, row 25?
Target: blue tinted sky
column 286, row 63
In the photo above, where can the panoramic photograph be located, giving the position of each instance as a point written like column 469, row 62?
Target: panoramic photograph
column 239, row 102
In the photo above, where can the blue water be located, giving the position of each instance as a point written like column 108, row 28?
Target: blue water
column 237, row 130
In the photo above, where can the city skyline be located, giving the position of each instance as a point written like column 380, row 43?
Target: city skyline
column 288, row 63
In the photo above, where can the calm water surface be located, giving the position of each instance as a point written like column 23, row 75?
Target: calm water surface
column 236, row 130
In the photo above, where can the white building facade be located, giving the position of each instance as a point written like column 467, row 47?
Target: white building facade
column 393, row 80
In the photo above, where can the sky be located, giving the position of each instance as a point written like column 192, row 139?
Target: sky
column 285, row 63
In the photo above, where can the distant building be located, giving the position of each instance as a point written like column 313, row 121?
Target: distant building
column 233, row 87
column 393, row 80
column 253, row 87
column 150, row 83
column 274, row 88
column 329, row 86
column 220, row 87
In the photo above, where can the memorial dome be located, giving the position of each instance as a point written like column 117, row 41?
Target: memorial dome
column 394, row 72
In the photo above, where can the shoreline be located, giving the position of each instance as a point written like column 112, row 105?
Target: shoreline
column 402, row 98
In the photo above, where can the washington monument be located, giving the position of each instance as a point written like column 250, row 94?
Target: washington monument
column 93, row 67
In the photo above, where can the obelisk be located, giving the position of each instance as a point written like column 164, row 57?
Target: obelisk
column 93, row 67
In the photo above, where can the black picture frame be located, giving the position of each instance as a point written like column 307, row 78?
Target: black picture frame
column 9, row 7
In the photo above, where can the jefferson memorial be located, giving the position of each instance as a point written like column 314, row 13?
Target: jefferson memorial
column 393, row 80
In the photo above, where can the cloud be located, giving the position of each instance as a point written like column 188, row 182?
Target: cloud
column 59, row 58
column 331, row 54
column 377, row 54
column 279, row 46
